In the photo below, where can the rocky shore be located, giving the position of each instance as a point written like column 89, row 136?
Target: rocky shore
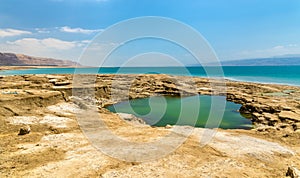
column 55, row 144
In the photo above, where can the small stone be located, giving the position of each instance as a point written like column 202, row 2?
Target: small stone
column 53, row 80
column 293, row 172
column 296, row 126
column 168, row 126
column 24, row 130
column 62, row 83
column 286, row 108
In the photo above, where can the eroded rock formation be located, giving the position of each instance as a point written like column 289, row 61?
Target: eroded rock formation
column 57, row 147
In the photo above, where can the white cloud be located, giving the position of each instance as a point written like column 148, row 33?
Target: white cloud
column 78, row 30
column 12, row 32
column 44, row 43
column 48, row 47
column 278, row 47
column 42, row 30
column 86, row 41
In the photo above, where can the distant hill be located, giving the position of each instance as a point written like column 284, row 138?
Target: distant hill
column 11, row 59
column 275, row 61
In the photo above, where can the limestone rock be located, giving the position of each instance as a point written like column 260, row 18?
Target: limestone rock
column 271, row 117
column 289, row 115
column 132, row 119
column 62, row 83
column 168, row 126
column 296, row 126
column 293, row 172
column 286, row 108
column 256, row 115
column 24, row 130
column 264, row 128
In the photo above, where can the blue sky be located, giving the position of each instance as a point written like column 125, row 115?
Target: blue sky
column 235, row 29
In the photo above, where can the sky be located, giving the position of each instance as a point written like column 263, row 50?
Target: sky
column 234, row 29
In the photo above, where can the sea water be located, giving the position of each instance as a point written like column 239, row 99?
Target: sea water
column 289, row 75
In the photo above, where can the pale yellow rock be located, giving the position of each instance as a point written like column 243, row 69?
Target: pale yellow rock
column 289, row 115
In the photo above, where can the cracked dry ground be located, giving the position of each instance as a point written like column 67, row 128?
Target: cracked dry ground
column 56, row 147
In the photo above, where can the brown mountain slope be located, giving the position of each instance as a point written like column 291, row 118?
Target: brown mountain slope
column 11, row 59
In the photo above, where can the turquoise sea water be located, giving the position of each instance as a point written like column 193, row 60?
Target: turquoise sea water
column 264, row 74
column 193, row 111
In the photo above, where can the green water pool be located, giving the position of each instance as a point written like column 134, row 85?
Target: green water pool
column 194, row 111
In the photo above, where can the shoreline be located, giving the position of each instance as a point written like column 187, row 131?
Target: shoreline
column 258, row 82
column 2, row 68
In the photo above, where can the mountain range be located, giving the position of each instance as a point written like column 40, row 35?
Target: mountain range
column 273, row 61
column 11, row 59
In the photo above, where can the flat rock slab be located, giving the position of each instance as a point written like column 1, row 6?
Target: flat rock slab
column 234, row 145
column 289, row 115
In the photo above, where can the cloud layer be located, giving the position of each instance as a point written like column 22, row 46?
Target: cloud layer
column 12, row 32
column 43, row 43
column 46, row 42
column 47, row 47
column 277, row 50
column 78, row 30
column 68, row 43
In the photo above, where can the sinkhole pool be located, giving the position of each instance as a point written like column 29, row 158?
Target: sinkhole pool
column 199, row 111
